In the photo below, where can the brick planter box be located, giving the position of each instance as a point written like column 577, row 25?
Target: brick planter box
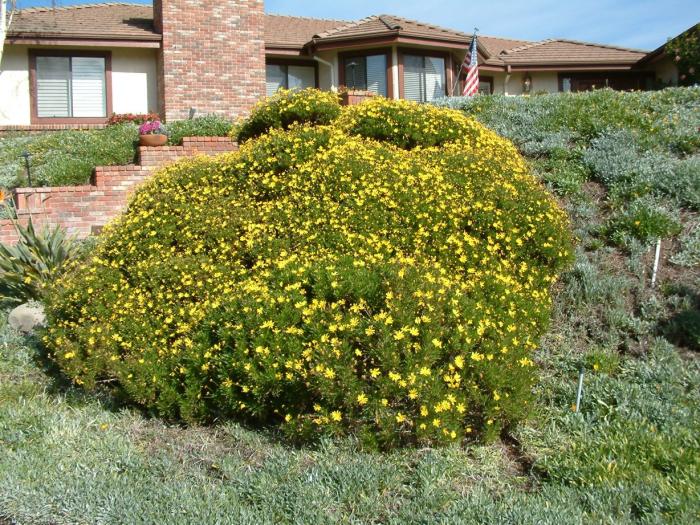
column 352, row 97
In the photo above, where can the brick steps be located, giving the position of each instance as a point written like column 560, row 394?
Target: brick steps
column 84, row 209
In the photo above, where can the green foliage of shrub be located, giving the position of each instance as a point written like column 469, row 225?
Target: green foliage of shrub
column 204, row 126
column 65, row 158
column 287, row 107
column 645, row 220
column 669, row 118
column 406, row 125
column 689, row 253
column 326, row 282
column 29, row 266
column 631, row 169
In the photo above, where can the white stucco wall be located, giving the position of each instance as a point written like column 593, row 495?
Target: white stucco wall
column 547, row 81
column 328, row 76
column 14, row 87
column 134, row 83
column 666, row 70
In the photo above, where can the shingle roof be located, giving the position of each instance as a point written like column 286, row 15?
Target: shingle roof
column 561, row 51
column 294, row 32
column 380, row 25
column 135, row 22
column 108, row 20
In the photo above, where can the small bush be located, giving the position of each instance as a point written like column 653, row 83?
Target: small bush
column 689, row 254
column 327, row 282
column 644, row 220
column 205, row 126
column 28, row 267
column 406, row 125
column 287, row 107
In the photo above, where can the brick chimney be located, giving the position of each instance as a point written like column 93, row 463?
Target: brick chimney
column 212, row 58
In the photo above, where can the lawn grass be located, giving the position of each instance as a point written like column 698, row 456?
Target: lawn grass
column 632, row 455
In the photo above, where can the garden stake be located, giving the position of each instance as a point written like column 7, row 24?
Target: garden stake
column 26, row 156
column 656, row 262
column 579, row 394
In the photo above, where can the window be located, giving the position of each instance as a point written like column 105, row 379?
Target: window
column 70, row 86
column 485, row 85
column 423, row 78
column 366, row 73
column 289, row 76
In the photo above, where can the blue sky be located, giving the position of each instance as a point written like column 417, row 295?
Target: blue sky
column 643, row 24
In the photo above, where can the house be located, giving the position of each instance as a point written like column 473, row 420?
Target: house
column 74, row 66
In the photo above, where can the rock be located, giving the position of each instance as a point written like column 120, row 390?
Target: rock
column 26, row 317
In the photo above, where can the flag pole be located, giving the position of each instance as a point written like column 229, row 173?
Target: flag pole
column 461, row 66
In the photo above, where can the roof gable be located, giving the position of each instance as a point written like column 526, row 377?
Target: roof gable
column 390, row 25
column 563, row 51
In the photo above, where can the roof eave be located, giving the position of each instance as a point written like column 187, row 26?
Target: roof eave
column 49, row 39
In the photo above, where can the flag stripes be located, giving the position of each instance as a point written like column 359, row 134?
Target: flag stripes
column 471, row 84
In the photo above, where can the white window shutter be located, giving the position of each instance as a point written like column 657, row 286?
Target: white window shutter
column 88, row 87
column 376, row 74
column 434, row 78
column 413, row 78
column 275, row 78
column 301, row 77
column 53, row 86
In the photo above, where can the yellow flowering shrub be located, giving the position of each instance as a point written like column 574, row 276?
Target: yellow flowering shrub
column 326, row 282
column 287, row 107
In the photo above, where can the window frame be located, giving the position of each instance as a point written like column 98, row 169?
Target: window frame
column 359, row 53
column 34, row 113
column 446, row 56
column 292, row 62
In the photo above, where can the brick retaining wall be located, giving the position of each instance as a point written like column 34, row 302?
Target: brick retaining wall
column 84, row 209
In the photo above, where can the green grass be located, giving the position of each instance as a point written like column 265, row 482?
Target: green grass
column 631, row 456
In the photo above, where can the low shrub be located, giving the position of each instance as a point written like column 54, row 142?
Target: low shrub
column 406, row 125
column 287, row 107
column 204, row 126
column 327, row 282
column 645, row 220
column 65, row 158
column 689, row 253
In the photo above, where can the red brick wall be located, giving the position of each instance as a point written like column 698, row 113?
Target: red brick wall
column 82, row 209
column 213, row 56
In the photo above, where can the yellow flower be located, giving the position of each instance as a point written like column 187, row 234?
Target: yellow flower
column 362, row 399
column 336, row 415
column 400, row 418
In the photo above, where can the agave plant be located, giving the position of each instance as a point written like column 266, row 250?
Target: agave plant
column 34, row 261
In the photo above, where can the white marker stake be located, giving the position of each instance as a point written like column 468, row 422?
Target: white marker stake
column 579, row 394
column 656, row 262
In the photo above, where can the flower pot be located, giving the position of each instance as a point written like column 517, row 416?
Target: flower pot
column 153, row 140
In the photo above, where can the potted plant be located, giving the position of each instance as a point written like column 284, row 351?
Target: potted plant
column 152, row 133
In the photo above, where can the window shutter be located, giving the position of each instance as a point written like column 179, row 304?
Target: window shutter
column 88, row 87
column 53, row 86
column 413, row 78
column 276, row 78
column 434, row 78
column 376, row 74
column 301, row 77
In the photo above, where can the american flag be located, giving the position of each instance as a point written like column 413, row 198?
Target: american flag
column 471, row 84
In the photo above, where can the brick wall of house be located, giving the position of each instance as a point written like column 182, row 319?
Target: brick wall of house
column 213, row 56
column 82, row 210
